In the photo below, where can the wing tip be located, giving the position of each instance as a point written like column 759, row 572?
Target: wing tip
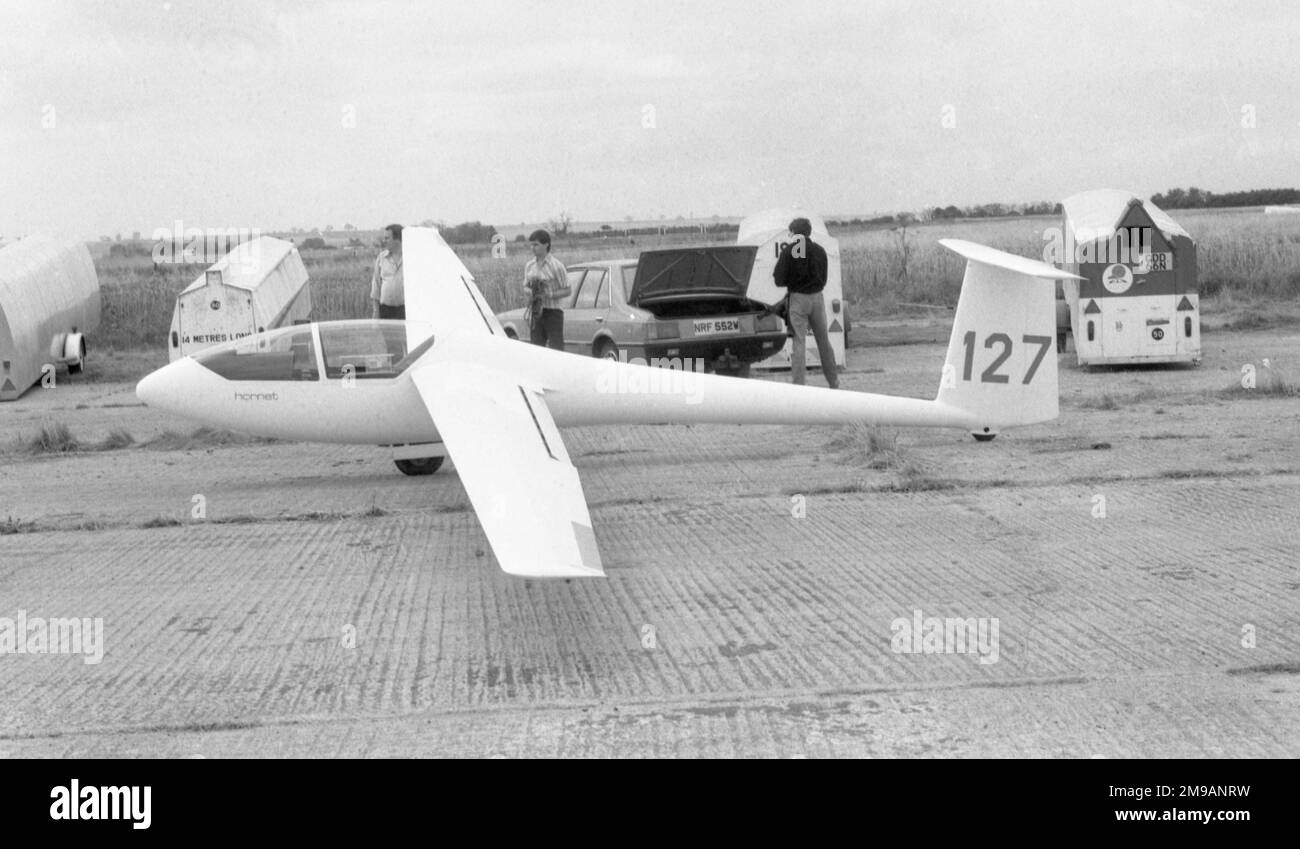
column 588, row 565
column 565, row 571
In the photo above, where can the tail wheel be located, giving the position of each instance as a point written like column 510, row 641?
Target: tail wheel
column 607, row 350
column 419, row 465
column 75, row 368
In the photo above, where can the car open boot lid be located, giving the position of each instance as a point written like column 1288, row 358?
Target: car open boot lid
column 719, row 271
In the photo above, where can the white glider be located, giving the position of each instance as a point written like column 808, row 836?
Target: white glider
column 449, row 382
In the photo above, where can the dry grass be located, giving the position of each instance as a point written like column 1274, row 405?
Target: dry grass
column 139, row 297
column 54, row 438
column 115, row 441
column 1104, row 401
column 202, row 437
column 1242, row 255
column 57, row 438
column 1247, row 262
column 877, row 448
column 16, row 526
column 161, row 522
column 1270, row 382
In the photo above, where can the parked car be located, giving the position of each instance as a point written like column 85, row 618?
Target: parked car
column 675, row 303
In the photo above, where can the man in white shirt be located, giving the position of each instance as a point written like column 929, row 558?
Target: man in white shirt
column 387, row 295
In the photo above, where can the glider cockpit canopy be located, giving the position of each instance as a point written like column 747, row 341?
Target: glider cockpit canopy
column 364, row 349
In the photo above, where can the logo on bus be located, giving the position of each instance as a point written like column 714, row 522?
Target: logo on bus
column 1117, row 279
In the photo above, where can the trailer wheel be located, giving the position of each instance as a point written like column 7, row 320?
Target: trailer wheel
column 419, row 465
column 80, row 364
column 738, row 371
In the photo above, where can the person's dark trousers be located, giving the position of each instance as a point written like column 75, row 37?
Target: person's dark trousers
column 385, row 311
column 549, row 330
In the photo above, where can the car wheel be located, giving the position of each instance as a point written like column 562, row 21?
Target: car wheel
column 607, row 350
column 419, row 465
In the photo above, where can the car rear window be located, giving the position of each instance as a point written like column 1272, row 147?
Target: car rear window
column 590, row 289
column 575, row 282
column 629, row 275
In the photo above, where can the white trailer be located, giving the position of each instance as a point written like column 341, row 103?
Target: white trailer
column 1136, row 298
column 259, row 285
column 49, row 301
column 769, row 231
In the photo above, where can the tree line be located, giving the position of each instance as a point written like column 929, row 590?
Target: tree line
column 1194, row 198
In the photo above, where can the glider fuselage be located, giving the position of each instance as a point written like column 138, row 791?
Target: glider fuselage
column 331, row 397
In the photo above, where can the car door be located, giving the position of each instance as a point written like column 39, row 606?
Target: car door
column 603, row 298
column 578, row 323
column 625, row 324
column 589, row 318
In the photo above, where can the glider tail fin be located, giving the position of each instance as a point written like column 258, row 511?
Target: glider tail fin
column 1000, row 369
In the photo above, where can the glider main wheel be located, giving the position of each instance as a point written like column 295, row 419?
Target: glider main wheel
column 607, row 351
column 984, row 437
column 419, row 465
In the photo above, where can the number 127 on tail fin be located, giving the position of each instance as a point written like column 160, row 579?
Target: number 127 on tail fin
column 991, row 373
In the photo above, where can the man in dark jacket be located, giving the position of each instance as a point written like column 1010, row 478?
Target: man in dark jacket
column 801, row 270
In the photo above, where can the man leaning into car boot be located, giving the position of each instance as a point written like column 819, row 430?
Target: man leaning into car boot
column 801, row 270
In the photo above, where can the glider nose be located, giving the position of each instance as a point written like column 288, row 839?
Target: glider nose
column 158, row 387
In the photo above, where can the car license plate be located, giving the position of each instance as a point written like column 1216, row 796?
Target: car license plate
column 713, row 326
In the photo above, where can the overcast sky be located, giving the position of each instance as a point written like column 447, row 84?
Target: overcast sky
column 117, row 117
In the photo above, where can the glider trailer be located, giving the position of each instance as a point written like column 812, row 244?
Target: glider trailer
column 49, row 301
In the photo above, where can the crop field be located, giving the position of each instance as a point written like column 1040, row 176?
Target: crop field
column 1249, row 262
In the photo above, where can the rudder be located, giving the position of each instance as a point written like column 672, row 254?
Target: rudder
column 1001, row 362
